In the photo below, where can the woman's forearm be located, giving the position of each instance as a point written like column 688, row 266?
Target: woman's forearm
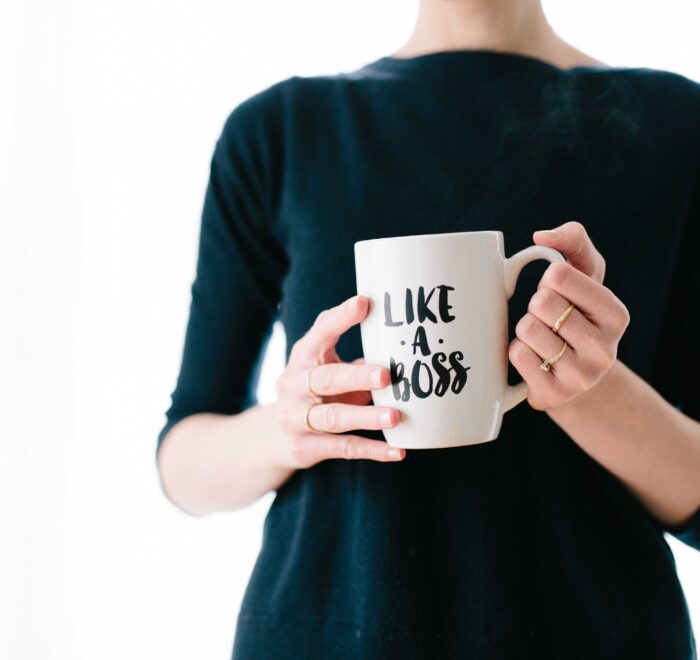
column 210, row 462
column 651, row 446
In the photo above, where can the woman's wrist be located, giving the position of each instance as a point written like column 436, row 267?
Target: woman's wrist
column 278, row 456
column 216, row 462
column 585, row 403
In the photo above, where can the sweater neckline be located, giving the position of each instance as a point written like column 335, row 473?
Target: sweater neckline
column 449, row 62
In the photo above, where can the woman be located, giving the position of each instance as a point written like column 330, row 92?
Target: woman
column 548, row 541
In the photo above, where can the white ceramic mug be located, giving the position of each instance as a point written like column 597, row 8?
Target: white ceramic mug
column 438, row 318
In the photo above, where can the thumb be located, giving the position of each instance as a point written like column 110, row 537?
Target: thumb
column 572, row 240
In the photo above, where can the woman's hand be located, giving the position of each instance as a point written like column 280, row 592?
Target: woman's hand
column 592, row 330
column 344, row 392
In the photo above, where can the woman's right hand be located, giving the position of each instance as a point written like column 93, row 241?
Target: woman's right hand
column 344, row 395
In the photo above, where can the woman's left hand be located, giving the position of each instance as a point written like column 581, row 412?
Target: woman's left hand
column 592, row 330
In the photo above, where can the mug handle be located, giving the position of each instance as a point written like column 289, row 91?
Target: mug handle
column 511, row 270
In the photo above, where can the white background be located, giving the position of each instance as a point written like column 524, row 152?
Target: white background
column 108, row 115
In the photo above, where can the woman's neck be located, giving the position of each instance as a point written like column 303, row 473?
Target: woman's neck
column 515, row 26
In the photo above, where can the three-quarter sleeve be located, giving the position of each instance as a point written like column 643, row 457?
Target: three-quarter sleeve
column 686, row 397
column 677, row 372
column 241, row 261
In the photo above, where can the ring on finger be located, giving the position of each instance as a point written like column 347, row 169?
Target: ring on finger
column 547, row 364
column 306, row 418
column 562, row 318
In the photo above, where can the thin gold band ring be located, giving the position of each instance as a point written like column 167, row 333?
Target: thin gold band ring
column 562, row 318
column 308, row 384
column 306, row 418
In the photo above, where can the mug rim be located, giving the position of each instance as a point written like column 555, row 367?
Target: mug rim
column 428, row 236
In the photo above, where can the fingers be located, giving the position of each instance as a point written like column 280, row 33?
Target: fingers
column 330, row 324
column 527, row 363
column 535, row 329
column 570, row 369
column 335, row 381
column 591, row 330
column 341, row 417
column 572, row 240
column 358, row 398
column 331, row 421
column 309, row 449
column 598, row 303
column 335, row 378
column 334, row 417
column 346, row 391
column 588, row 355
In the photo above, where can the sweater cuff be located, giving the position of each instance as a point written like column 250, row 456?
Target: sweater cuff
column 688, row 532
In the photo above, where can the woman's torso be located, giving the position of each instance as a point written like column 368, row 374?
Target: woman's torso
column 520, row 547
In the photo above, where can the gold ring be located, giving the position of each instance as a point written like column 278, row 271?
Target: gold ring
column 562, row 318
column 306, row 418
column 308, row 384
column 546, row 364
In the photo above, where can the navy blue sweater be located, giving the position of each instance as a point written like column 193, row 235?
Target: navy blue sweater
column 523, row 547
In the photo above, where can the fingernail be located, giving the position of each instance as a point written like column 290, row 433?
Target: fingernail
column 385, row 418
column 393, row 453
column 376, row 377
column 550, row 233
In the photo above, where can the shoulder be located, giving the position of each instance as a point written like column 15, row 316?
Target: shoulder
column 278, row 107
column 652, row 111
column 667, row 90
column 287, row 94
column 254, row 117
column 671, row 108
column 661, row 80
column 664, row 98
column 645, row 79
